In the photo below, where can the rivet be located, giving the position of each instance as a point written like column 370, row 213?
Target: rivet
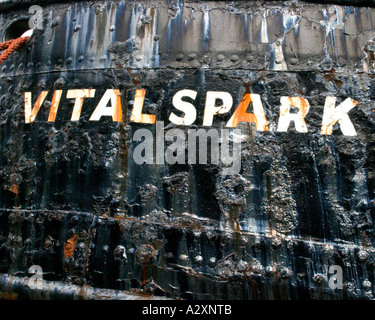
column 234, row 58
column 275, row 243
column 250, row 58
column 366, row 285
column 191, row 56
column 220, row 57
column 294, row 61
column 362, row 256
column 206, row 59
column 198, row 259
column 285, row 273
column 326, row 64
column 270, row 270
column 212, row 261
column 184, row 257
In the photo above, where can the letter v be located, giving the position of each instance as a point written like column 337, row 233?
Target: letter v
column 30, row 113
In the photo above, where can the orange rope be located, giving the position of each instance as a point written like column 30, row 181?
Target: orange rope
column 10, row 47
column 5, row 44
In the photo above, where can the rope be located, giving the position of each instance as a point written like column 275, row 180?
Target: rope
column 10, row 47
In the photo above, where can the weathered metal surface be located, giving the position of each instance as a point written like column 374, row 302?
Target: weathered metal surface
column 74, row 202
column 16, row 288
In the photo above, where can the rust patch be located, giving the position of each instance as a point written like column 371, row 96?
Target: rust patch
column 14, row 188
column 139, row 292
column 331, row 77
column 69, row 246
column 8, row 296
column 119, row 217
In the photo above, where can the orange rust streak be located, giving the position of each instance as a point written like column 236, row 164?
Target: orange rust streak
column 137, row 115
column 143, row 275
column 54, row 106
column 329, row 128
column 240, row 115
column 69, row 246
column 117, row 116
column 299, row 103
